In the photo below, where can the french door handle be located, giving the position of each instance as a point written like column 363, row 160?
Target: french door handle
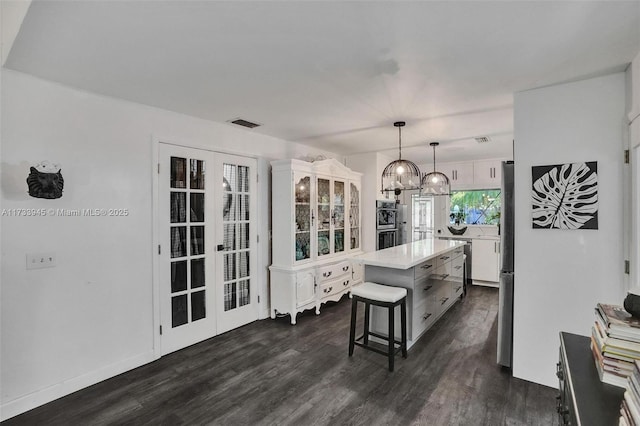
column 222, row 247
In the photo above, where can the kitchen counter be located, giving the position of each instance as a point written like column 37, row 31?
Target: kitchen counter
column 469, row 237
column 408, row 255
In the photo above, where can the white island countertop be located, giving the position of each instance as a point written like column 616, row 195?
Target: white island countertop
column 408, row 255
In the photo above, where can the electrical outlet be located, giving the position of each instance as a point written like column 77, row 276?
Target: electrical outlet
column 41, row 260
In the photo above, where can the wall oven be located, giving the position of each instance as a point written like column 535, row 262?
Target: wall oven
column 386, row 213
column 386, row 238
column 386, row 224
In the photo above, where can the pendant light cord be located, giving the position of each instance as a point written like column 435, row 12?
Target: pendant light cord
column 399, row 143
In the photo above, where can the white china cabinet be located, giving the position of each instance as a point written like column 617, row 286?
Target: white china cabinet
column 316, row 220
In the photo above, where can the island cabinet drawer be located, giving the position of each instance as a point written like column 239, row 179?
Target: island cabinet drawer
column 330, row 272
column 457, row 270
column 441, row 273
column 456, row 288
column 443, row 297
column 424, row 269
column 423, row 316
column 444, row 259
column 336, row 286
column 422, row 290
column 456, row 252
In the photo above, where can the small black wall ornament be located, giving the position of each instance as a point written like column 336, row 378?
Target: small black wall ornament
column 45, row 181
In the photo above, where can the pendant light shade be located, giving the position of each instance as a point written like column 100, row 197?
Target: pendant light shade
column 435, row 183
column 400, row 175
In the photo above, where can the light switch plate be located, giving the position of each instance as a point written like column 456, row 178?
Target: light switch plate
column 41, row 260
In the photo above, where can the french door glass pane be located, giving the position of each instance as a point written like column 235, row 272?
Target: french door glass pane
column 230, row 267
column 197, row 273
column 197, row 207
column 178, row 241
column 178, row 207
column 243, row 235
column 230, row 296
column 244, row 293
column 243, row 179
column 197, row 240
column 178, row 276
column 243, row 211
column 179, row 314
column 197, row 174
column 229, row 237
column 323, row 191
column 198, row 309
column 178, row 177
column 243, row 264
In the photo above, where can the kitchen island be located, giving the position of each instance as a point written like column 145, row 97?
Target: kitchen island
column 432, row 272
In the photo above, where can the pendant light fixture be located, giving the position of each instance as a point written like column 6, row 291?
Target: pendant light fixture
column 435, row 183
column 400, row 175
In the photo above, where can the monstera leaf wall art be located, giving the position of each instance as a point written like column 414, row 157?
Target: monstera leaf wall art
column 565, row 196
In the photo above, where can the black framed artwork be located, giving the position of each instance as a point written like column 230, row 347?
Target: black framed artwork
column 565, row 196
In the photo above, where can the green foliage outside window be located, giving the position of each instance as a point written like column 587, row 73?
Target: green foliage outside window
column 477, row 207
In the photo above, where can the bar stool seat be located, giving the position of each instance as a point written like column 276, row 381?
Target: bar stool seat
column 383, row 296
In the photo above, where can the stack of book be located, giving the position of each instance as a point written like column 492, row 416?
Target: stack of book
column 615, row 342
column 630, row 407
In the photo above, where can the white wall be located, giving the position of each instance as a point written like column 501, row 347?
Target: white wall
column 371, row 166
column 561, row 275
column 91, row 316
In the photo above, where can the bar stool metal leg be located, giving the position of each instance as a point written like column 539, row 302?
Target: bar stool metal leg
column 367, row 309
column 392, row 340
column 403, row 326
column 352, row 330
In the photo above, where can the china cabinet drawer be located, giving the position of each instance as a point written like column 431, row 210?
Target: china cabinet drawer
column 334, row 287
column 331, row 272
column 424, row 269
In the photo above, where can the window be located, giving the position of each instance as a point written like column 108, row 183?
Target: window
column 481, row 207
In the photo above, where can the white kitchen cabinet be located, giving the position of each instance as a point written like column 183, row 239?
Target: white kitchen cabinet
column 316, row 220
column 485, row 262
column 460, row 174
column 487, row 174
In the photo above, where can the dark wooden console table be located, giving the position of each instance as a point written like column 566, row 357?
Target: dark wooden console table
column 584, row 399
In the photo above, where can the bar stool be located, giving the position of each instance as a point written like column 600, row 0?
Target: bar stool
column 387, row 297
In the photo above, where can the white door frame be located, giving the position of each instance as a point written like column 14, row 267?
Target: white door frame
column 262, row 262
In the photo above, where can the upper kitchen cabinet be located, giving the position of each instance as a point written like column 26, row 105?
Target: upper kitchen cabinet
column 481, row 174
column 487, row 174
column 460, row 174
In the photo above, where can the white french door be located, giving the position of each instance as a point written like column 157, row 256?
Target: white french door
column 237, row 290
column 203, row 209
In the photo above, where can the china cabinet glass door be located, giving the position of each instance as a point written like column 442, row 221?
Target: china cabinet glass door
column 354, row 216
column 303, row 217
column 324, row 216
column 338, row 216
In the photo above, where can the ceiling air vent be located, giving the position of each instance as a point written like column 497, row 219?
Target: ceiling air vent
column 244, row 123
column 482, row 139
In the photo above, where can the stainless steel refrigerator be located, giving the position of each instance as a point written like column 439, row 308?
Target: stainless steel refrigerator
column 505, row 307
column 403, row 224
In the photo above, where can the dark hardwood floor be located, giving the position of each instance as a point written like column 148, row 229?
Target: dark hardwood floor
column 272, row 373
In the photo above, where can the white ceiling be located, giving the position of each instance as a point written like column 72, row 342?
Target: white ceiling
column 334, row 75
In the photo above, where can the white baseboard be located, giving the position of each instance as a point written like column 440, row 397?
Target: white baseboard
column 35, row 399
